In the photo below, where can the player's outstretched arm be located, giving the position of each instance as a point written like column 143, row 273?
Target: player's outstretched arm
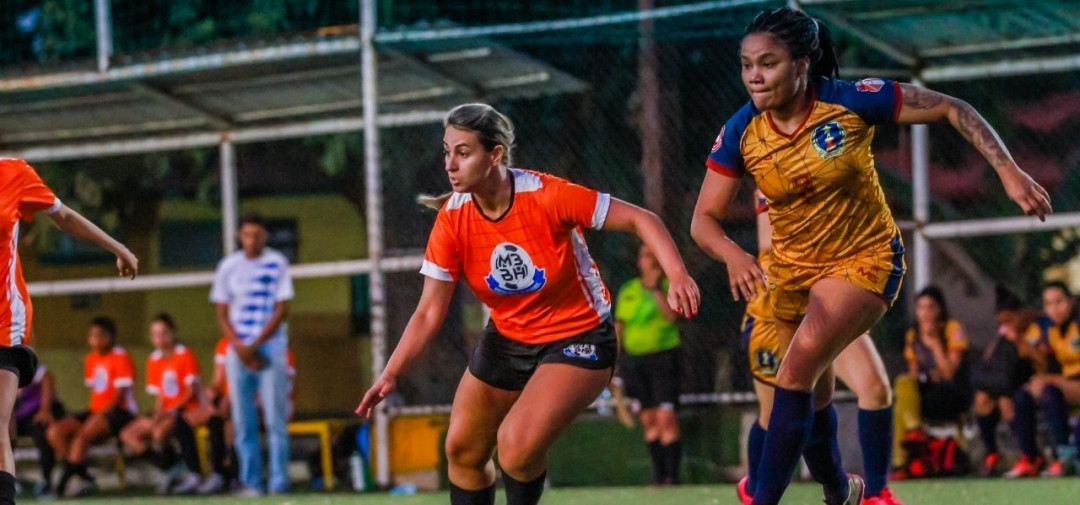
column 429, row 315
column 744, row 272
column 683, row 295
column 921, row 105
column 76, row 225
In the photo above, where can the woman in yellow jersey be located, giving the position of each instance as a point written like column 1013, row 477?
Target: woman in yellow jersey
column 837, row 257
column 859, row 366
column 936, row 385
column 649, row 366
column 1053, row 389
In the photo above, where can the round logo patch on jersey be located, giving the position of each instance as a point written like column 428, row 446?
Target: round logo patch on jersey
column 719, row 140
column 513, row 271
column 871, row 85
column 100, row 381
column 828, row 139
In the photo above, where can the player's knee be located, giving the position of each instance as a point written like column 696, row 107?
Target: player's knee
column 518, row 452
column 875, row 395
column 461, row 452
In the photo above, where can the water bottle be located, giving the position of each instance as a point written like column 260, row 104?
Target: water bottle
column 603, row 404
column 356, row 472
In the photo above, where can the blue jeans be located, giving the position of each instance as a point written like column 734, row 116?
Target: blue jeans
column 272, row 385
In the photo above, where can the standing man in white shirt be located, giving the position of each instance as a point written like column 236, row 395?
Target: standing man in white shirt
column 252, row 288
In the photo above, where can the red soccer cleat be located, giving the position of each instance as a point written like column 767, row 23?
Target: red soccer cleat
column 885, row 498
column 744, row 494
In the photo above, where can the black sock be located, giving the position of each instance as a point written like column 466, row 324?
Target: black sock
column 218, row 454
column 656, row 452
column 672, row 458
column 70, row 470
column 188, row 447
column 7, row 489
column 460, row 496
column 523, row 493
column 988, row 430
column 45, row 453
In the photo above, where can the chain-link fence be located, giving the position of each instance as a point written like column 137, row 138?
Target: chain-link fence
column 656, row 89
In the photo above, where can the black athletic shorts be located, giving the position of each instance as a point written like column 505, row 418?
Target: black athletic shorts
column 508, row 364
column 21, row 361
column 24, row 425
column 117, row 418
column 652, row 379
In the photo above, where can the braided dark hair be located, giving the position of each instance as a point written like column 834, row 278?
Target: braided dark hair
column 804, row 37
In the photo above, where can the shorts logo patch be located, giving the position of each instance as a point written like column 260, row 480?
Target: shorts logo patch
column 766, row 362
column 583, row 351
column 828, row 140
column 513, row 271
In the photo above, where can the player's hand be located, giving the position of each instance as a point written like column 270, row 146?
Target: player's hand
column 683, row 295
column 378, row 392
column 127, row 264
column 745, row 276
column 43, row 417
column 1028, row 194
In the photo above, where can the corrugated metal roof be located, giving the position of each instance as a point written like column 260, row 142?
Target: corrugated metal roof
column 188, row 94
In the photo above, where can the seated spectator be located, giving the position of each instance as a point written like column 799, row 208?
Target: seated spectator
column 935, row 388
column 1056, row 385
column 110, row 374
column 1004, row 366
column 172, row 377
column 37, row 407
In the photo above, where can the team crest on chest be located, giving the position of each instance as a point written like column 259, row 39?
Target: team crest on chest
column 513, row 271
column 829, row 139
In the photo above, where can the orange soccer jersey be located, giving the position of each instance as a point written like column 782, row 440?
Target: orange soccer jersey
column 171, row 378
column 531, row 265
column 106, row 374
column 22, row 193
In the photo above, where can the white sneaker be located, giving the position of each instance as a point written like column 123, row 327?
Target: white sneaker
column 188, row 483
column 212, row 484
column 168, row 479
column 248, row 492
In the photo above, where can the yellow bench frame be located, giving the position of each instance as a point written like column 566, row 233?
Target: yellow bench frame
column 325, row 429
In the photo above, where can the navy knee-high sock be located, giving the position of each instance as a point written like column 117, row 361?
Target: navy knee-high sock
column 988, row 430
column 876, row 440
column 789, row 427
column 822, row 455
column 1055, row 411
column 460, row 496
column 1023, row 423
column 754, row 447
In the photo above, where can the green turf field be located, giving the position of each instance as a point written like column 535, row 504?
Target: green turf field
column 931, row 492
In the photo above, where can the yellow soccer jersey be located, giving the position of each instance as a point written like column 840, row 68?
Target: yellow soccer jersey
column 825, row 202
column 1063, row 340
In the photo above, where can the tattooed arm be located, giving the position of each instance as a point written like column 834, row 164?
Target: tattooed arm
column 921, row 105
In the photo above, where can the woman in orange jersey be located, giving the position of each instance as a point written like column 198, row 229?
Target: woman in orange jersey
column 172, row 378
column 110, row 374
column 23, row 195
column 515, row 237
column 837, row 258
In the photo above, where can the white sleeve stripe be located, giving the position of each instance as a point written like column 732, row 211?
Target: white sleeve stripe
column 123, row 383
column 436, row 272
column 55, row 207
column 599, row 215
